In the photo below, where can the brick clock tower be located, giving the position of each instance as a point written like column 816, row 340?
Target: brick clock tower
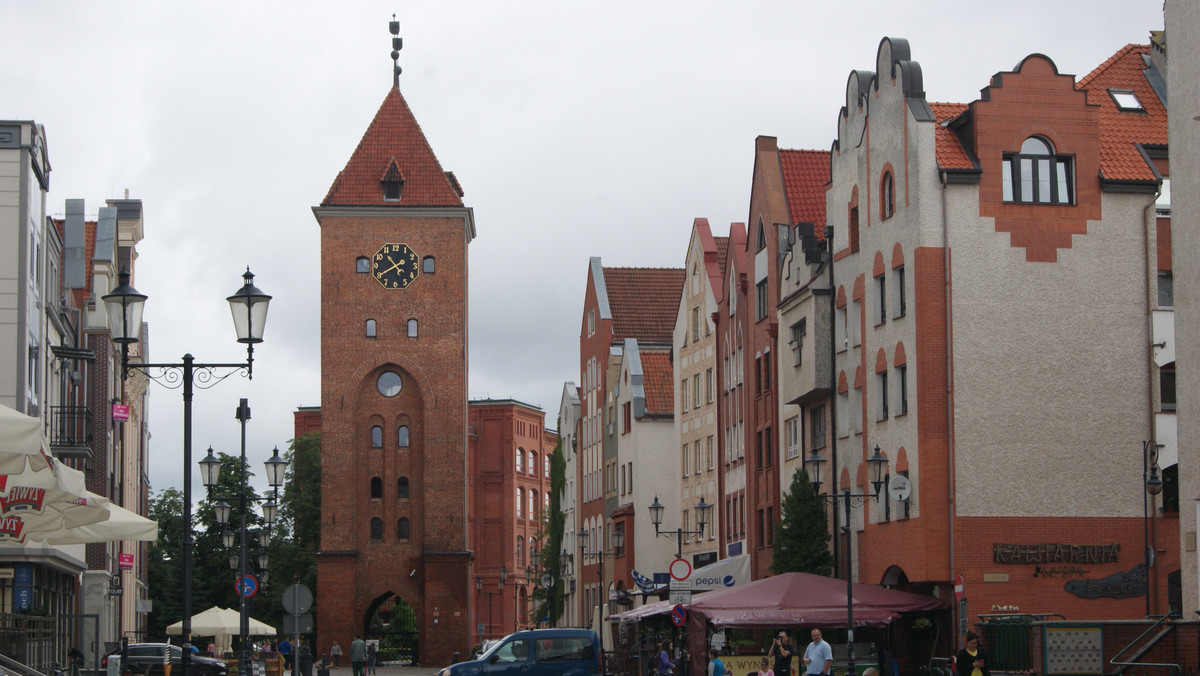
column 393, row 562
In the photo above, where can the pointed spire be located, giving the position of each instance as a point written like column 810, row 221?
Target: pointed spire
column 397, row 45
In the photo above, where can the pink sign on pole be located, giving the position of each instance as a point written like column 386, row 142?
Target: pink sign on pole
column 125, row 561
column 120, row 412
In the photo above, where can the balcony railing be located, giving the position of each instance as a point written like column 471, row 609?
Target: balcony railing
column 71, row 431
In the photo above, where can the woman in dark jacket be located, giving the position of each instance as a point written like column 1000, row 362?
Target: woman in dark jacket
column 969, row 661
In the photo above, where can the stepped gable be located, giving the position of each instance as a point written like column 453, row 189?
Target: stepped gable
column 805, row 175
column 643, row 302
column 1122, row 131
column 394, row 146
column 658, row 380
column 949, row 149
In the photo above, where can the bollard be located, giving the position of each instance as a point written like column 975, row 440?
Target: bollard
column 456, row 660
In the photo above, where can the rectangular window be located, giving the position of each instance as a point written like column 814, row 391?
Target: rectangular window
column 796, row 340
column 1166, row 289
column 852, row 238
column 761, row 534
column 628, row 418
column 816, row 427
column 683, row 395
column 901, row 389
column 770, row 526
column 898, row 304
column 881, row 383
column 840, row 329
column 696, row 390
column 758, row 448
column 684, row 460
column 709, row 385
column 695, row 324
column 854, row 323
column 1166, row 386
column 791, row 437
column 760, row 296
column 768, row 447
column 767, row 371
column 880, row 299
column 758, row 386
column 696, row 464
column 712, row 453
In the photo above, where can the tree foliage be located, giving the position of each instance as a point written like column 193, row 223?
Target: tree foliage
column 549, row 602
column 291, row 553
column 802, row 534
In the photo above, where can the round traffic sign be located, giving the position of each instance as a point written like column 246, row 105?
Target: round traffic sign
column 958, row 587
column 678, row 616
column 680, row 569
column 297, row 599
column 247, row 586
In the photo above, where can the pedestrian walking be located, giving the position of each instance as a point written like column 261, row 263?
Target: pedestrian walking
column 335, row 651
column 358, row 655
column 372, row 657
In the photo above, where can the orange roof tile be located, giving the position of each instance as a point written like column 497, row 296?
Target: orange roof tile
column 644, row 302
column 393, row 136
column 805, row 174
column 658, row 380
column 1122, row 131
column 949, row 150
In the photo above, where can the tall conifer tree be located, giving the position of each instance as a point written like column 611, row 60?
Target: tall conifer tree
column 802, row 534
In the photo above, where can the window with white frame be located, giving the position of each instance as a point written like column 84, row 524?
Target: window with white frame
column 816, row 427
column 712, row 452
column 796, row 340
column 684, row 460
column 791, row 437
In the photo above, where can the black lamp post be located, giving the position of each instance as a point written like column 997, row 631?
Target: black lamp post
column 618, row 540
column 656, row 514
column 876, row 463
column 249, row 307
column 1152, row 485
column 210, row 471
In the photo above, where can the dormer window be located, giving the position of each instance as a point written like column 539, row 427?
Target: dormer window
column 1037, row 175
column 1126, row 100
column 392, row 182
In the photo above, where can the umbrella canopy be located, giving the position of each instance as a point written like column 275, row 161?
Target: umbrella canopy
column 20, row 437
column 795, row 599
column 218, row 622
column 46, row 499
column 121, row 524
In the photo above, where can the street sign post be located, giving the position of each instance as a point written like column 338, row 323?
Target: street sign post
column 678, row 616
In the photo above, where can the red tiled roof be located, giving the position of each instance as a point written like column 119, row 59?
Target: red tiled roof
column 658, row 380
column 805, row 174
column 393, row 136
column 949, row 151
column 1120, row 132
column 644, row 302
column 717, row 280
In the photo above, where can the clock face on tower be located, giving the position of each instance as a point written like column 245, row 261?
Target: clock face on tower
column 394, row 266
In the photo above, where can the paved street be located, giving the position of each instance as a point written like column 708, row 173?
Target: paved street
column 389, row 670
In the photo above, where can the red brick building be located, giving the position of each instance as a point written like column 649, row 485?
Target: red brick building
column 394, row 531
column 508, row 496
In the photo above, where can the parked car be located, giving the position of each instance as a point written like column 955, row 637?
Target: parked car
column 537, row 652
column 148, row 659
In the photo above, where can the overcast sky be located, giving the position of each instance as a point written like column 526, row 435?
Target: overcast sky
column 576, row 129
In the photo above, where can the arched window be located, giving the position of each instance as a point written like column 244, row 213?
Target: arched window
column 1037, row 175
column 376, row 528
column 520, row 460
column 412, row 328
column 402, row 487
column 533, row 504
column 533, row 464
column 520, row 502
column 376, row 436
column 427, row 265
column 546, row 499
column 402, row 528
column 887, row 195
column 376, row 488
column 370, row 328
column 402, row 436
column 362, row 264
column 533, row 548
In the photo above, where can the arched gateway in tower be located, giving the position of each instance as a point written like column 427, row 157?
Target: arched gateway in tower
column 394, row 236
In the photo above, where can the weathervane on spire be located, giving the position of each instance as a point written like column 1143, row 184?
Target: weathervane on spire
column 397, row 45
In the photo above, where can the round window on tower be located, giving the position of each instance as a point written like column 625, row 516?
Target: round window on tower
column 389, row 384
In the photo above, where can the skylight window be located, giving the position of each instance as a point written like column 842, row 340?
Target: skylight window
column 1126, row 100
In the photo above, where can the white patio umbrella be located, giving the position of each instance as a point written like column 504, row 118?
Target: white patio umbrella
column 121, row 524
column 217, row 621
column 45, row 500
column 20, row 441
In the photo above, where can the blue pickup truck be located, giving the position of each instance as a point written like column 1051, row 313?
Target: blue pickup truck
column 537, row 652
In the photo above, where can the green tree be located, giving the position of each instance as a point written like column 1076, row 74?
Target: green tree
column 802, row 534
column 549, row 602
column 296, row 537
column 163, row 564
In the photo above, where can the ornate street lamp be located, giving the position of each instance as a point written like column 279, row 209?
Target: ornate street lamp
column 656, row 515
column 875, row 464
column 124, row 307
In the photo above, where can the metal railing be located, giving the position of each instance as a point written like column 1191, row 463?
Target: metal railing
column 29, row 641
column 70, row 427
column 1144, row 647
